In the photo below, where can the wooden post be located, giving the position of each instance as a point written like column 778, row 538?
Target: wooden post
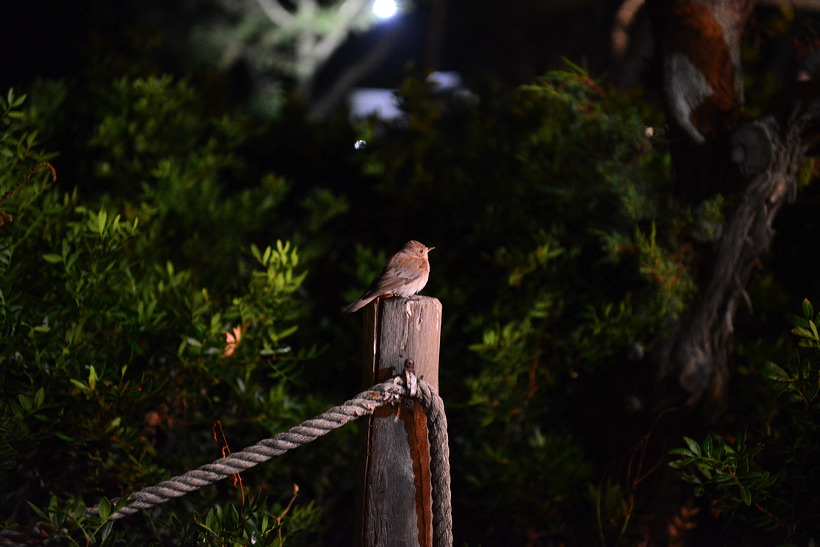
column 394, row 503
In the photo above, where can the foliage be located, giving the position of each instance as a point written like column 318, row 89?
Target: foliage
column 729, row 469
column 255, row 521
column 561, row 255
column 157, row 308
column 770, row 482
column 565, row 255
column 134, row 322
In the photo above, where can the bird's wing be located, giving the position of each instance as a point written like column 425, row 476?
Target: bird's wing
column 381, row 285
column 387, row 285
column 398, row 274
column 394, row 276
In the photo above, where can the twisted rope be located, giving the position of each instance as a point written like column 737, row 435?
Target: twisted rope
column 439, row 464
column 363, row 404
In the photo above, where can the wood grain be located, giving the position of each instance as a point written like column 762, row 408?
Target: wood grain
column 394, row 501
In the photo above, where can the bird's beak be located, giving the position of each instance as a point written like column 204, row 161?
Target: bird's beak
column 430, row 249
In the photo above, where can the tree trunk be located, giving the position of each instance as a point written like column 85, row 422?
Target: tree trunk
column 716, row 149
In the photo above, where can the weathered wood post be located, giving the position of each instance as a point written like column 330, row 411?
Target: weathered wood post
column 394, row 503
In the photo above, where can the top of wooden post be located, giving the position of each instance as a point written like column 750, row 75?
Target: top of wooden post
column 397, row 329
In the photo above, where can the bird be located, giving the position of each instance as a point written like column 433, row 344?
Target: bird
column 405, row 274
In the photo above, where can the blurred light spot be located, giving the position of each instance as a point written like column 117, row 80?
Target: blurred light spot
column 384, row 9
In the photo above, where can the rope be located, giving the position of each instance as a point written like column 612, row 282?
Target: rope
column 439, row 464
column 363, row 404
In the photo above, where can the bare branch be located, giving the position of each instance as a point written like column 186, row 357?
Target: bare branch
column 306, row 62
column 349, row 10
column 276, row 13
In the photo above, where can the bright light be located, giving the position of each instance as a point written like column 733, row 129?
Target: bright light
column 384, row 9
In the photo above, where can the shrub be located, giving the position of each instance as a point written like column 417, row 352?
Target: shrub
column 136, row 321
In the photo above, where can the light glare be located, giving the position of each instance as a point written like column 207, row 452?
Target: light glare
column 384, row 9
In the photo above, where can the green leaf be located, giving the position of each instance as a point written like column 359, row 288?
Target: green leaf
column 233, row 514
column 79, row 384
column 102, row 218
column 704, row 469
column 52, row 258
column 694, row 447
column 681, row 464
column 212, row 520
column 104, row 507
column 25, row 402
column 287, row 332
column 42, row 514
column 105, row 531
column 800, row 331
column 746, row 495
column 808, row 310
column 775, row 372
column 92, row 378
column 718, row 448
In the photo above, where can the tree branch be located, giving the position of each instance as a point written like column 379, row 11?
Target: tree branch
column 696, row 355
column 349, row 10
column 306, row 65
column 276, row 13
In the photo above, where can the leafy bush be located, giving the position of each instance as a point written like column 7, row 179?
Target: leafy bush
column 766, row 476
column 126, row 336
column 558, row 253
column 561, row 254
column 155, row 294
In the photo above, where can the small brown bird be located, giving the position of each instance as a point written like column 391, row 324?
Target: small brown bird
column 405, row 274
